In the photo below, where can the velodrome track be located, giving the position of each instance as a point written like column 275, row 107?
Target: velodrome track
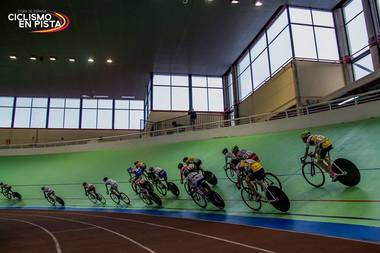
column 58, row 231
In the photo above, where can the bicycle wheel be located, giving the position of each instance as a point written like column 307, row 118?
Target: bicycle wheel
column 351, row 174
column 17, row 195
column 210, row 177
column 217, row 200
column 101, row 199
column 9, row 195
column 156, row 199
column 115, row 198
column 250, row 199
column 277, row 198
column 186, row 186
column 92, row 198
column 51, row 200
column 173, row 188
column 134, row 188
column 313, row 174
column 60, row 201
column 272, row 180
column 231, row 173
column 199, row 199
column 144, row 198
column 124, row 197
column 161, row 188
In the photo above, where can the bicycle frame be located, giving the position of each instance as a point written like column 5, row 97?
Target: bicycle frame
column 264, row 188
column 313, row 158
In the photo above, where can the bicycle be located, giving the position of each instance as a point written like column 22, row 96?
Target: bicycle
column 148, row 196
column 118, row 197
column 53, row 199
column 202, row 195
column 163, row 186
column 233, row 175
column 268, row 194
column 9, row 194
column 346, row 172
column 96, row 197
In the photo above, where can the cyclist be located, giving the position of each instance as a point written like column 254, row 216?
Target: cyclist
column 193, row 160
column 48, row 192
column 113, row 186
column 89, row 189
column 243, row 154
column 157, row 173
column 140, row 165
column 5, row 187
column 185, row 169
column 195, row 180
column 323, row 146
column 229, row 156
column 255, row 171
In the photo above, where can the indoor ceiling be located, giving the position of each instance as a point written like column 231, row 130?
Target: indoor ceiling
column 142, row 36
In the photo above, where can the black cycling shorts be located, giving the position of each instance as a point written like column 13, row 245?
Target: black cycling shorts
column 258, row 175
column 324, row 151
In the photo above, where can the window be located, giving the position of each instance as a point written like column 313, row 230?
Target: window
column 30, row 112
column 357, row 38
column 207, row 93
column 363, row 67
column 230, row 101
column 6, row 111
column 280, row 51
column 97, row 113
column 64, row 113
column 129, row 114
column 171, row 92
column 313, row 34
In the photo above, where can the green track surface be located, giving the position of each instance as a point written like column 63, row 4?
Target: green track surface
column 280, row 152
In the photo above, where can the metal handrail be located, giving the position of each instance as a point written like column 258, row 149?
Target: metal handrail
column 352, row 100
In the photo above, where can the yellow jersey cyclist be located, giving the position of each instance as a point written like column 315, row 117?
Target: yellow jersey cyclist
column 255, row 171
column 323, row 146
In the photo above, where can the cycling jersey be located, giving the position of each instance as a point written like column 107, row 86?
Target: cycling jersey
column 318, row 140
column 194, row 179
column 89, row 187
column 251, row 165
column 186, row 169
column 48, row 190
column 112, row 183
column 158, row 172
column 244, row 154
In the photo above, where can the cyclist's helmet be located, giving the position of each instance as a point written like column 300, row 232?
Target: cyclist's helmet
column 136, row 162
column 151, row 169
column 235, row 149
column 305, row 135
column 1, row 183
column 105, row 179
column 130, row 170
column 224, row 151
column 185, row 159
column 42, row 188
column 84, row 183
column 180, row 165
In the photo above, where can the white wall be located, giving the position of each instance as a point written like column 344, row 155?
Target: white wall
column 347, row 114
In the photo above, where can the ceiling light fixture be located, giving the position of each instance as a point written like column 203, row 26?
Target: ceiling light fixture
column 13, row 57
column 100, row 96
column 71, row 59
column 33, row 58
column 91, row 60
column 128, row 97
column 109, row 60
column 234, row 1
column 52, row 58
column 258, row 3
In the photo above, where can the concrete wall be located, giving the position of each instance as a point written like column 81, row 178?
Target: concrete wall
column 23, row 136
column 346, row 114
column 318, row 79
column 275, row 95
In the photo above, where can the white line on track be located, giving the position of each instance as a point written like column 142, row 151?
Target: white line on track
column 57, row 246
column 180, row 230
column 96, row 226
column 73, row 230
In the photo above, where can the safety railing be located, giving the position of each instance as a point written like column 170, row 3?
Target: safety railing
column 296, row 112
